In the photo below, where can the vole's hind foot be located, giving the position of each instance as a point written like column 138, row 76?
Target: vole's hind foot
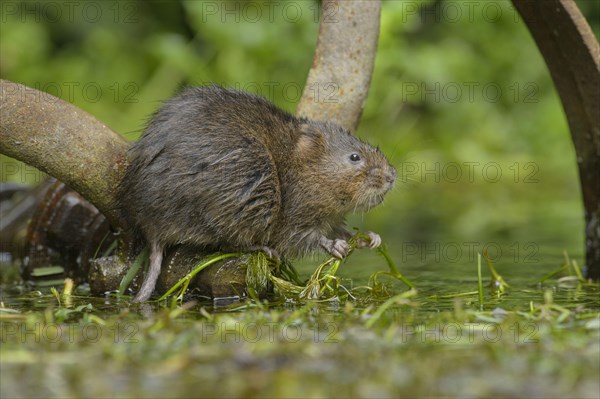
column 373, row 242
column 338, row 248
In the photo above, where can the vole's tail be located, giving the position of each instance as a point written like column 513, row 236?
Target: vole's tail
column 149, row 284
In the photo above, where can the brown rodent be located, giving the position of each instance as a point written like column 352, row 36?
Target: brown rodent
column 227, row 170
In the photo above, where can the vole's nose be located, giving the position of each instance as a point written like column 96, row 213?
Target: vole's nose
column 390, row 176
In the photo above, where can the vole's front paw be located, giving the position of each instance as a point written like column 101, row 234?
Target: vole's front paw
column 338, row 248
column 373, row 242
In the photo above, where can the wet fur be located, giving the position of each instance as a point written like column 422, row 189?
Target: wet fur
column 226, row 170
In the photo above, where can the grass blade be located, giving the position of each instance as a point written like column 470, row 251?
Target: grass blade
column 479, row 281
column 133, row 270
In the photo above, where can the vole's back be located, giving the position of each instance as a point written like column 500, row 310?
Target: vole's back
column 203, row 172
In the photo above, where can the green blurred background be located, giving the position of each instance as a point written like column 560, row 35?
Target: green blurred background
column 460, row 100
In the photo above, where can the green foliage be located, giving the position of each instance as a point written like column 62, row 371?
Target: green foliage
column 263, row 273
column 448, row 89
column 546, row 346
column 422, row 112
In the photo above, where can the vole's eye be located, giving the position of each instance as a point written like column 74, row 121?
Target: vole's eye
column 354, row 157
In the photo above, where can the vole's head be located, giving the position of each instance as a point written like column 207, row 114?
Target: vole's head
column 352, row 175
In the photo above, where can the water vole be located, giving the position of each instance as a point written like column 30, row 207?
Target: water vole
column 227, row 170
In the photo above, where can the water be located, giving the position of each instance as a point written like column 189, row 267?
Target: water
column 434, row 344
column 440, row 270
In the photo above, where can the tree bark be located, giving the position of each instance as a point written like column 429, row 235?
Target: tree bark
column 338, row 82
column 572, row 54
column 65, row 142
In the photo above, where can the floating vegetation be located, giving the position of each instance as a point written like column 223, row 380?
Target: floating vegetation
column 47, row 271
column 323, row 284
column 570, row 268
column 264, row 272
column 66, row 294
column 399, row 299
column 479, row 282
column 183, row 284
column 329, row 339
column 497, row 283
column 394, row 271
column 258, row 270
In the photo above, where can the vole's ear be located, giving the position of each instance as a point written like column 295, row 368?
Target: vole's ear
column 309, row 140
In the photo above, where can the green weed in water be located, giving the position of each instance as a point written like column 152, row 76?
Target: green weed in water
column 394, row 271
column 262, row 272
column 185, row 281
column 479, row 282
column 497, row 283
column 570, row 267
column 258, row 271
column 546, row 348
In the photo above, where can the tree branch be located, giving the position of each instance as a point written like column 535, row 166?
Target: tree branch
column 63, row 141
column 572, row 54
column 338, row 82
